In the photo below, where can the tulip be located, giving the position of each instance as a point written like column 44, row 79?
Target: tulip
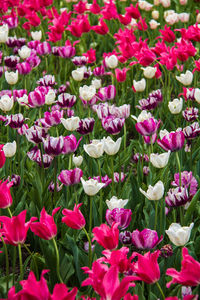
column 53, row 145
column 43, row 48
column 165, row 3
column 95, row 149
column 77, row 160
column 96, row 83
column 111, row 61
column 66, row 100
column 10, row 149
column 178, row 235
column 50, row 97
column 78, row 74
column 74, row 218
column 86, row 126
column 111, row 147
column 6, row 103
column 36, row 98
column 70, row 124
column 24, row 52
column 70, row 177
column 4, row 33
column 47, row 80
column 121, row 74
column 5, row 195
column 155, row 192
column 15, row 121
column 146, row 239
column 160, row 160
column 189, row 274
column 51, row 118
column 11, row 77
column 119, row 215
column 197, row 95
column 91, row 187
column 23, row 101
column 11, row 61
column 2, row 157
column 149, row 72
column 175, row 106
column 185, row 79
column 114, row 202
column 190, row 114
column 177, row 197
column 139, row 86
column 46, row 228
column 125, row 237
column 107, row 93
column 107, row 237
column 35, row 134
column 155, row 14
column 172, row 141
column 153, row 24
column 87, row 92
column 112, row 124
column 79, row 60
column 15, row 179
column 70, row 144
column 36, row 35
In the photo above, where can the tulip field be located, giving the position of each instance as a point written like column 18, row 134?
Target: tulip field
column 99, row 149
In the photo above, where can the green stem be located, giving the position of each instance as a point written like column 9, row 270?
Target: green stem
column 7, row 264
column 156, row 214
column 14, row 264
column 31, row 254
column 124, row 136
column 112, row 166
column 20, row 261
column 90, row 248
column 55, row 178
column 57, row 261
column 100, row 199
column 179, row 167
column 160, row 289
column 90, row 220
column 9, row 211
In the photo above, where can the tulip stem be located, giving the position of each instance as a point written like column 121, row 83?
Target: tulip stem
column 112, row 166
column 57, row 261
column 90, row 220
column 9, row 211
column 156, row 214
column 7, row 264
column 179, row 167
column 124, row 136
column 14, row 264
column 20, row 262
column 160, row 289
column 100, row 201
column 31, row 254
column 90, row 248
column 55, row 179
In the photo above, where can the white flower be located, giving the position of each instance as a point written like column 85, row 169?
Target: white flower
column 78, row 74
column 111, row 61
column 23, row 100
column 111, row 147
column 159, row 160
column 24, row 52
column 4, row 33
column 185, row 79
column 155, row 14
column 9, row 149
column 178, row 235
column 87, row 92
column 175, row 106
column 114, row 202
column 149, row 72
column 155, row 192
column 77, row 160
column 91, row 187
column 144, row 115
column 140, row 85
column 165, row 3
column 6, row 103
column 95, row 149
column 163, row 133
column 11, row 77
column 50, row 97
column 36, row 35
column 96, row 83
column 71, row 124
column 184, row 17
column 197, row 95
column 153, row 24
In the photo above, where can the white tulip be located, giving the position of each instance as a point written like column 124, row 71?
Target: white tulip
column 24, row 52
column 71, row 124
column 114, row 202
column 111, row 61
column 111, row 147
column 78, row 74
column 144, row 115
column 197, row 95
column 23, row 100
column 175, row 106
column 77, row 160
column 96, row 83
column 4, row 33
column 165, row 3
column 149, row 72
column 95, row 149
column 50, row 97
column 9, row 149
column 11, row 77
column 91, row 187
column 155, row 14
column 178, row 235
column 155, row 192
column 160, row 160
column 87, row 92
column 140, row 85
column 185, row 79
column 6, row 103
column 163, row 133
column 153, row 24
column 36, row 35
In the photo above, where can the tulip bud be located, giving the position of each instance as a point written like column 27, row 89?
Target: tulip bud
column 175, row 106
column 160, row 160
column 6, row 103
column 149, row 72
column 10, row 149
column 111, row 61
column 77, row 160
column 139, row 86
column 178, row 235
column 24, row 52
column 36, row 35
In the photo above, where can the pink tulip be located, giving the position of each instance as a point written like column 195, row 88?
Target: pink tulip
column 148, row 126
column 74, row 218
column 146, row 239
column 121, row 74
column 172, row 141
column 70, row 177
column 5, row 195
column 107, row 237
column 2, row 157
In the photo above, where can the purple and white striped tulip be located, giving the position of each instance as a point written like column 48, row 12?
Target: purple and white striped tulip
column 147, row 127
column 190, row 114
column 192, row 131
column 70, row 177
column 11, row 61
column 33, row 44
column 70, row 144
column 112, row 124
column 80, row 60
column 15, row 121
column 145, row 239
column 47, row 80
column 173, row 141
column 107, row 93
column 35, row 155
column 43, row 48
column 86, row 126
column 36, row 98
column 53, row 145
column 122, row 111
column 177, row 197
column 53, row 118
column 66, row 51
column 99, row 71
column 35, row 134
column 66, row 100
column 33, row 61
column 119, row 215
column 23, row 68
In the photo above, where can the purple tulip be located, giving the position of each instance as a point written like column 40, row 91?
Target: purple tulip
column 35, row 134
column 35, row 155
column 70, row 177
column 99, row 71
column 119, row 215
column 66, row 51
column 33, row 44
column 66, row 100
column 146, row 239
column 70, row 144
column 11, row 61
column 11, row 42
column 151, row 102
column 125, row 237
column 43, row 48
column 190, row 114
column 192, row 131
column 33, row 61
column 53, row 145
column 187, row 181
column 53, row 118
column 148, row 126
column 15, row 121
column 21, row 42
column 86, row 126
column 80, row 60
column 47, row 80
column 177, row 197
column 172, row 141
column 112, row 124
column 15, row 179
column 36, row 98
column 107, row 93
column 166, row 251
column 104, row 179
column 23, row 68
column 102, row 110
column 19, row 93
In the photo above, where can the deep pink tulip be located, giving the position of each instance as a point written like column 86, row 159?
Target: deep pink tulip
column 121, row 74
column 52, row 118
column 36, row 98
column 146, row 267
column 146, row 239
column 46, row 228
column 2, row 157
column 74, row 218
column 107, row 237
column 14, row 230
column 61, row 292
column 5, row 195
column 23, row 68
column 117, row 258
column 70, row 177
column 189, row 274
column 107, row 93
column 120, row 215
column 172, row 141
column 167, row 34
column 43, row 48
column 70, row 144
column 147, row 127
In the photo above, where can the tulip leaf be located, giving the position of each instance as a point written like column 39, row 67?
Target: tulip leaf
column 192, row 207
